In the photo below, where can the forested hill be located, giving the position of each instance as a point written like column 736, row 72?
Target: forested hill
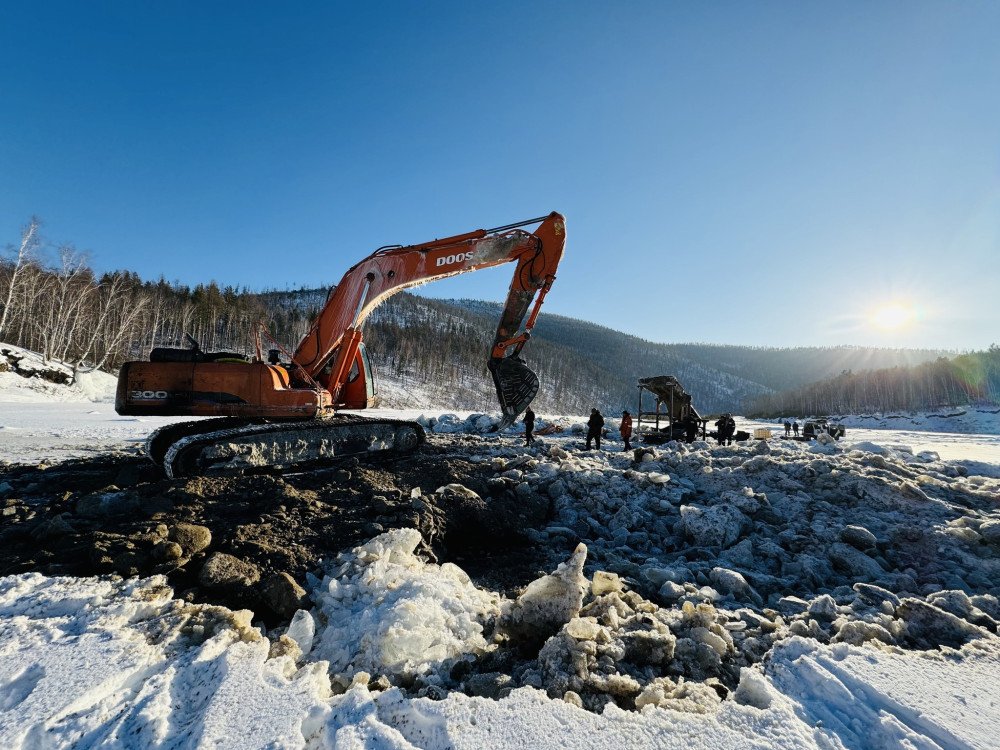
column 967, row 379
column 432, row 351
column 719, row 377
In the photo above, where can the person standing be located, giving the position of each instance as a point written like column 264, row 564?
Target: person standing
column 720, row 429
column 730, row 429
column 594, row 426
column 529, row 426
column 788, row 428
column 795, row 428
column 690, row 428
column 626, row 430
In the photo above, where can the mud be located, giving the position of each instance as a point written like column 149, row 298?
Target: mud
column 117, row 514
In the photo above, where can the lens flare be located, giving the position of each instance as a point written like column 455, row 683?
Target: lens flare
column 892, row 316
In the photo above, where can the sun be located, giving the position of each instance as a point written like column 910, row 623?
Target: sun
column 892, row 316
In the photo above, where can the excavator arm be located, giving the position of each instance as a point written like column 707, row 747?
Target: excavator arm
column 329, row 350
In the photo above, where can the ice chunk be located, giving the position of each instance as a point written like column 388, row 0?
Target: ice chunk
column 549, row 602
column 388, row 612
column 302, row 630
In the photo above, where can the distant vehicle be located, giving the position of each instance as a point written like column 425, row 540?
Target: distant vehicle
column 814, row 427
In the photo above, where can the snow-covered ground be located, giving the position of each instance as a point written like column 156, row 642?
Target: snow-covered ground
column 107, row 663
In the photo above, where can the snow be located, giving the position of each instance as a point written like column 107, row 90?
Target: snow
column 26, row 378
column 864, row 570
column 388, row 612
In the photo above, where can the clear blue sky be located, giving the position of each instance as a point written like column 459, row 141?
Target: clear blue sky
column 736, row 172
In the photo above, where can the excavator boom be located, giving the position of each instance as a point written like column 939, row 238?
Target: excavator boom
column 328, row 351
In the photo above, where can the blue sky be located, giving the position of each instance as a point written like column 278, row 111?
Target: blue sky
column 748, row 173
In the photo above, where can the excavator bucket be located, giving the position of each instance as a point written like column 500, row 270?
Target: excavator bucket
column 516, row 387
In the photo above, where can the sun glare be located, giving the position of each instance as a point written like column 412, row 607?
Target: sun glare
column 892, row 317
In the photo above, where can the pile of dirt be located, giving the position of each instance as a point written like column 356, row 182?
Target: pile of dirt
column 249, row 541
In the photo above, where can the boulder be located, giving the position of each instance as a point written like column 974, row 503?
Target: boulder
column 191, row 537
column 858, row 537
column 990, row 532
column 853, row 562
column 225, row 571
column 283, row 595
column 717, row 526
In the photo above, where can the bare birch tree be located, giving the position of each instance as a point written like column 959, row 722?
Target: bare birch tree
column 26, row 252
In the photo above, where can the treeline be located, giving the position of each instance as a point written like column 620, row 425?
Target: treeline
column 54, row 303
column 966, row 379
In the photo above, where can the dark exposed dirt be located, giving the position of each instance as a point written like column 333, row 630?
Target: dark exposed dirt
column 117, row 514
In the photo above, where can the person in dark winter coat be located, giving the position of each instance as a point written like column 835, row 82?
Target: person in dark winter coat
column 529, row 426
column 726, row 427
column 594, row 426
column 626, row 430
column 690, row 428
column 795, row 428
column 788, row 428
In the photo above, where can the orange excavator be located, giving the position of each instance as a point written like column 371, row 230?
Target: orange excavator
column 283, row 416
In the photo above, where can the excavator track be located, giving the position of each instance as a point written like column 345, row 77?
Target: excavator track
column 219, row 447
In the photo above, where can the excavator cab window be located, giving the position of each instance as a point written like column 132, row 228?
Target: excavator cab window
column 369, row 371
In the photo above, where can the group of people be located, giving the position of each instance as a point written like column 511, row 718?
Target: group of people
column 595, row 428
column 789, row 426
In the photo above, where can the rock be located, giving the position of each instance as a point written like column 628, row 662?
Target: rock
column 605, row 583
column 54, row 528
column 671, row 591
column 875, row 595
column 283, row 595
column 858, row 537
column 990, row 532
column 857, row 632
column 486, row 685
column 191, row 537
column 372, row 529
column 167, row 551
column 557, row 489
column 383, row 506
column 854, row 562
column 5, row 489
column 792, row 605
column 731, row 582
column 928, row 627
column 225, row 571
column 717, row 526
column 823, row 607
column 108, row 505
column 741, row 554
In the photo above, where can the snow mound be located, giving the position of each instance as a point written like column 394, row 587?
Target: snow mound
column 387, row 612
column 26, row 378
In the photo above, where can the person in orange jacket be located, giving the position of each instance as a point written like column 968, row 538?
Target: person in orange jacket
column 626, row 429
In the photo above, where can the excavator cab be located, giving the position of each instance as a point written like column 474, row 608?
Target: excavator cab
column 359, row 390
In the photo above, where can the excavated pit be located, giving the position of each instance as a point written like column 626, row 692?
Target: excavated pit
column 117, row 514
